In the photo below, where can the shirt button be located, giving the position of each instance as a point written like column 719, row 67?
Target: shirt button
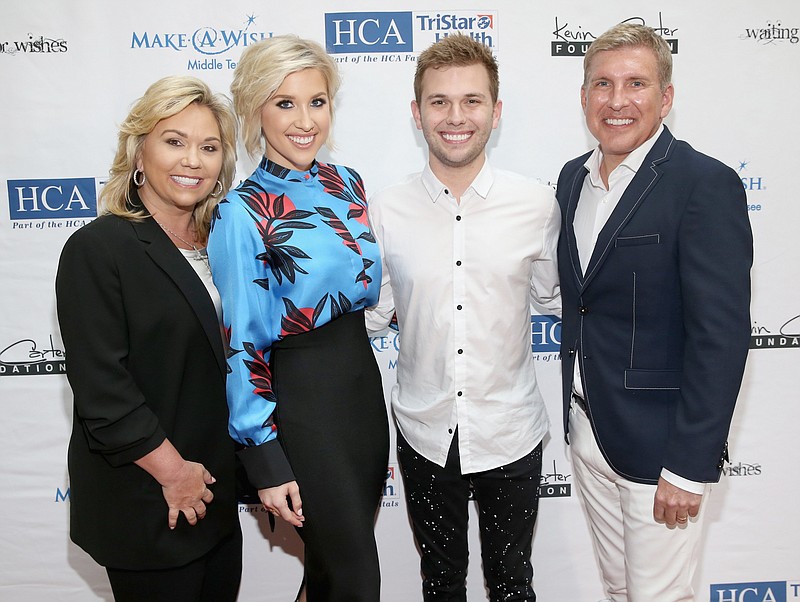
column 450, row 431
column 446, row 191
column 458, row 262
column 458, row 307
column 460, row 351
column 583, row 310
column 458, row 218
column 460, row 393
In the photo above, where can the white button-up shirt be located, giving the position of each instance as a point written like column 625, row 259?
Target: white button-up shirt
column 461, row 277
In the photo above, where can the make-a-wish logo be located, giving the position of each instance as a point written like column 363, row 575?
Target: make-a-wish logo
column 555, row 483
column 751, row 183
column 570, row 39
column 207, row 40
column 391, row 487
column 26, row 358
column 34, row 44
column 785, row 337
column 773, row 33
column 756, row 591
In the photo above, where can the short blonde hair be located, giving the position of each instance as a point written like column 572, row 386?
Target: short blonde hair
column 163, row 99
column 457, row 50
column 631, row 35
column 260, row 72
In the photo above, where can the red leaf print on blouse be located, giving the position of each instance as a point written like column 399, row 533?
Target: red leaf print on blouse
column 276, row 219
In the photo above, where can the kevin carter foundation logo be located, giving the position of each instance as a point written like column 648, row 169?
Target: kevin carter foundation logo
column 572, row 37
column 27, row 357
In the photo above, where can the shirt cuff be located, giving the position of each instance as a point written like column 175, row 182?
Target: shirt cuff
column 685, row 484
column 266, row 465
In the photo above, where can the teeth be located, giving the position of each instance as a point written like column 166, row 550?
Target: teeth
column 456, row 137
column 619, row 121
column 186, row 181
column 301, row 139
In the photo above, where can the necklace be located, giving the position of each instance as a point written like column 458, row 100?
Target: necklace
column 199, row 255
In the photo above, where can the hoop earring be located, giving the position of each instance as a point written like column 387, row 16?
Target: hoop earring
column 137, row 183
column 215, row 193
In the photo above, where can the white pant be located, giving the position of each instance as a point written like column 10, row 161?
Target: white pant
column 640, row 560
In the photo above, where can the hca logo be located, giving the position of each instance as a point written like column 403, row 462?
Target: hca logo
column 762, row 591
column 45, row 199
column 545, row 334
column 369, row 32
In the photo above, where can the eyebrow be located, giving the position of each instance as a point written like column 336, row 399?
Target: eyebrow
column 184, row 135
column 437, row 95
column 292, row 96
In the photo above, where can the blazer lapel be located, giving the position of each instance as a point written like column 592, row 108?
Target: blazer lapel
column 642, row 184
column 168, row 257
column 572, row 203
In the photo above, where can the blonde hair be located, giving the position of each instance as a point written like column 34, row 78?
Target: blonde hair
column 631, row 35
column 260, row 72
column 163, row 99
column 457, row 50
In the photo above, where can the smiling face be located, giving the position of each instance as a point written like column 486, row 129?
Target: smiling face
column 181, row 160
column 623, row 101
column 296, row 120
column 456, row 115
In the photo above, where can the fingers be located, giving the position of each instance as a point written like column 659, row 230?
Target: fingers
column 674, row 506
column 172, row 518
column 297, row 502
column 284, row 501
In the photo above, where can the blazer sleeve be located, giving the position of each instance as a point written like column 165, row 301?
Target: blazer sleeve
column 715, row 253
column 91, row 307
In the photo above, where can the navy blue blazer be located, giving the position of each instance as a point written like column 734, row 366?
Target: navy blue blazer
column 660, row 321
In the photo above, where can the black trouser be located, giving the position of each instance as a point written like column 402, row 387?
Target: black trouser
column 214, row 577
column 508, row 500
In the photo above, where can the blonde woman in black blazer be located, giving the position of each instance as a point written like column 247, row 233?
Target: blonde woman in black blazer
column 151, row 464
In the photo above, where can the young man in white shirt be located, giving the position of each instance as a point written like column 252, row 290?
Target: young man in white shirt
column 466, row 249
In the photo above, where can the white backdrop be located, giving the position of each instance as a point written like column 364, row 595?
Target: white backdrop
column 69, row 73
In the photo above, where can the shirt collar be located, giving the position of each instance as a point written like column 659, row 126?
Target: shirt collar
column 482, row 183
column 633, row 162
column 284, row 173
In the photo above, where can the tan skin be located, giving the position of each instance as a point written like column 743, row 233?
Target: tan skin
column 624, row 103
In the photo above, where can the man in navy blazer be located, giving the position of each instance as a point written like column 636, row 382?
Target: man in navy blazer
column 654, row 257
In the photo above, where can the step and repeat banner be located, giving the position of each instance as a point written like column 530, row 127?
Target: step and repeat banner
column 70, row 71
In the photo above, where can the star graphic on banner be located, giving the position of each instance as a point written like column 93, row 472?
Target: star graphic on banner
column 250, row 20
column 742, row 165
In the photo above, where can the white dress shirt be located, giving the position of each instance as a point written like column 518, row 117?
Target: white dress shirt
column 462, row 277
column 594, row 208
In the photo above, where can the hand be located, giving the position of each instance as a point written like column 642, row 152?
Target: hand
column 673, row 505
column 284, row 501
column 186, row 491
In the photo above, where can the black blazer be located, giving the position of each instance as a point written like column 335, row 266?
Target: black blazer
column 660, row 320
column 145, row 361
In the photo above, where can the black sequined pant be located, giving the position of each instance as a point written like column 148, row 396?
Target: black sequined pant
column 508, row 500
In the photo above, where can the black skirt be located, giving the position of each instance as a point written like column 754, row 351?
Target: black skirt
column 333, row 426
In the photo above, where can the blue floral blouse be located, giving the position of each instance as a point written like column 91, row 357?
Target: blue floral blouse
column 289, row 251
